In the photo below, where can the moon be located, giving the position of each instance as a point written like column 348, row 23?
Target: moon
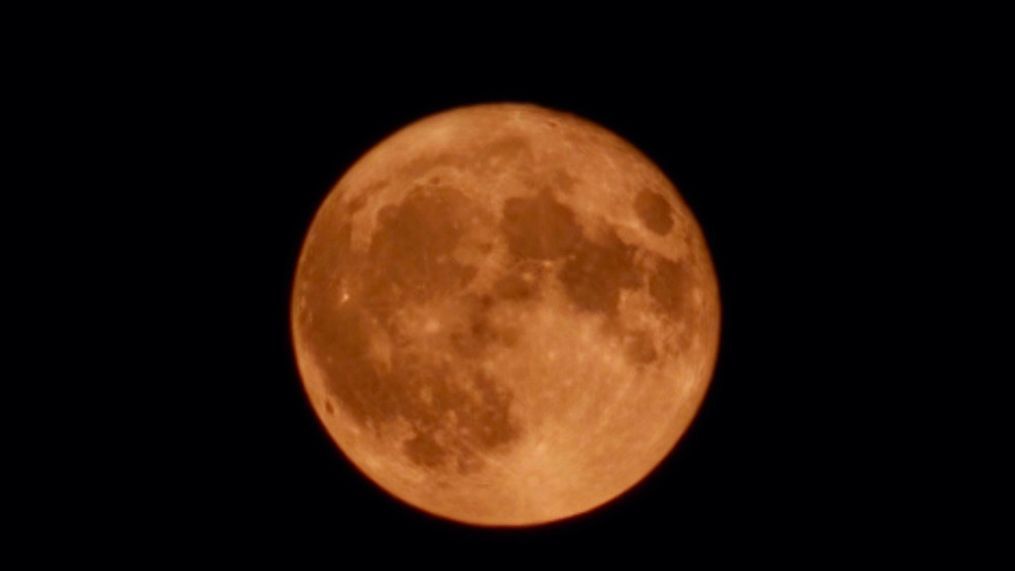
column 505, row 315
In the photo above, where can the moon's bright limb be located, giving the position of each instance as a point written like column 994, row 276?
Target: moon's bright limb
column 505, row 315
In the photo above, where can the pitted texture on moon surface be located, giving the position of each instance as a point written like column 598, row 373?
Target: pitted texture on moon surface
column 481, row 331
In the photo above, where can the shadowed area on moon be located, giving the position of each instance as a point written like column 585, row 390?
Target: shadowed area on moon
column 405, row 322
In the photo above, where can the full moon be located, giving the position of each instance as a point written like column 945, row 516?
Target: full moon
column 505, row 315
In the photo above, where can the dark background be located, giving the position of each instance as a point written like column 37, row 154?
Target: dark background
column 214, row 153
column 752, row 151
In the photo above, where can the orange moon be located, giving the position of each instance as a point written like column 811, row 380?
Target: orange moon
column 505, row 315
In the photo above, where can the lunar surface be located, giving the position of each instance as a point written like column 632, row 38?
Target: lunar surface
column 505, row 315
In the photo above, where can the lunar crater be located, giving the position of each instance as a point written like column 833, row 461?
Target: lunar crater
column 654, row 211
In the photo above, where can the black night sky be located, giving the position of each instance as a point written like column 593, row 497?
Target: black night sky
column 734, row 143
column 230, row 148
